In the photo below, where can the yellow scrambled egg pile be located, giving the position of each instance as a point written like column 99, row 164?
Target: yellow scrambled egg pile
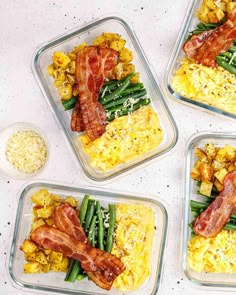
column 125, row 139
column 213, row 86
column 133, row 244
column 217, row 254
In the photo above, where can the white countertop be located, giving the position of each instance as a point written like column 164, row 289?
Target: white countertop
column 24, row 26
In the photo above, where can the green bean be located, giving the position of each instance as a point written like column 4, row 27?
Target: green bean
column 83, row 208
column 89, row 214
column 132, row 88
column 69, row 103
column 100, row 227
column 76, row 268
column 125, row 98
column 91, row 232
column 111, row 229
column 224, row 64
column 128, row 110
column 71, row 264
column 230, row 226
column 232, row 49
column 81, row 276
column 117, row 91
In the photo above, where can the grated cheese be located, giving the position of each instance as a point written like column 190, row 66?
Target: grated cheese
column 26, row 151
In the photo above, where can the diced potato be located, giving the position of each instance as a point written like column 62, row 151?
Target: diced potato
column 210, row 150
column 218, row 185
column 46, row 267
column 60, row 59
column 32, row 267
column 205, row 188
column 202, row 13
column 215, row 16
column 111, row 36
column 206, row 171
column 71, row 68
column 59, row 75
column 58, row 83
column 62, row 266
column 28, row 246
column 79, row 48
column 30, row 256
column 118, row 44
column 45, row 212
column 47, row 251
column 201, row 155
column 71, row 79
column 220, row 175
column 216, row 165
column 72, row 56
column 99, row 40
column 210, row 4
column 232, row 168
column 49, row 221
column 230, row 152
column 135, row 78
column 221, row 155
column 230, row 6
column 126, row 55
column 41, row 257
column 42, row 198
column 51, row 70
column 65, row 91
column 195, row 173
column 56, row 257
column 72, row 201
column 37, row 224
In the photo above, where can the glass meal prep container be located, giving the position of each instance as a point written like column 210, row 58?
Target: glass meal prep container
column 190, row 191
column 88, row 33
column 189, row 24
column 54, row 281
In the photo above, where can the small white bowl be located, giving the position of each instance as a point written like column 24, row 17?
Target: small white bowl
column 5, row 166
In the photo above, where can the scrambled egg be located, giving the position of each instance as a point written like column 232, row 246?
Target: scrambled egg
column 217, row 254
column 213, row 86
column 125, row 139
column 133, row 244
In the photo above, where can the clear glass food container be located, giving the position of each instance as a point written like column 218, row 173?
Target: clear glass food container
column 66, row 43
column 54, row 281
column 189, row 24
column 216, row 280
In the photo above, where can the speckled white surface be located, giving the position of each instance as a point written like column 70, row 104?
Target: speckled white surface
column 26, row 24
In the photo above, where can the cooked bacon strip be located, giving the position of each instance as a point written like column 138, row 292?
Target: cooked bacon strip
column 91, row 259
column 219, row 41
column 93, row 66
column 77, row 123
column 66, row 220
column 210, row 222
column 195, row 42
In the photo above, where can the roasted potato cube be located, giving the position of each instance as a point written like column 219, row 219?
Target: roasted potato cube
column 46, row 267
column 32, row 267
column 59, row 75
column 49, row 221
column 206, row 172
column 72, row 201
column 135, row 78
column 45, row 212
column 201, row 155
column 202, row 13
column 231, row 168
column 215, row 16
column 71, row 68
column 118, row 44
column 56, row 257
column 60, row 59
column 210, row 4
column 47, row 251
column 218, row 185
column 216, row 165
column 62, row 266
column 220, row 175
column 230, row 152
column 195, row 173
column 79, row 47
column 65, row 91
column 71, row 79
column 37, row 224
column 42, row 198
column 210, row 150
column 28, row 246
column 230, row 6
column 126, row 55
column 41, row 257
column 51, row 70
column 30, row 256
column 205, row 188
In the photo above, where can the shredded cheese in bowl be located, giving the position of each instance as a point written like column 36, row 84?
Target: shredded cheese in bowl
column 26, row 151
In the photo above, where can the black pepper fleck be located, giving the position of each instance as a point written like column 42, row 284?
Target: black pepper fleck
column 8, row 223
column 178, row 282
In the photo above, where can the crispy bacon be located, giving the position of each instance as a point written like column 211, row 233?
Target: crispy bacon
column 210, row 222
column 91, row 259
column 93, row 66
column 66, row 220
column 219, row 41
